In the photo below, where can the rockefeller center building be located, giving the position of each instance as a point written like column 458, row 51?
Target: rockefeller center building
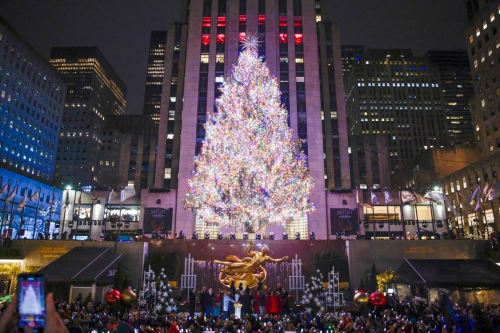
column 302, row 52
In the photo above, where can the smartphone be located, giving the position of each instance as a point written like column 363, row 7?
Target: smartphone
column 31, row 300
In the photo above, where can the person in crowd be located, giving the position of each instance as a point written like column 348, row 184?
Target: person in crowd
column 246, row 303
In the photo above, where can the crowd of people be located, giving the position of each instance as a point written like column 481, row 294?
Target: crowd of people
column 275, row 311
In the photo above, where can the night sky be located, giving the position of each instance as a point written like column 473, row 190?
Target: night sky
column 121, row 28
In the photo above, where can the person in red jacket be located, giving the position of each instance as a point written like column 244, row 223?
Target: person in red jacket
column 274, row 303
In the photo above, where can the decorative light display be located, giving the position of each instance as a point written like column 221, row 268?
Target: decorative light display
column 205, row 39
column 315, row 295
column 283, row 38
column 242, row 37
column 250, row 172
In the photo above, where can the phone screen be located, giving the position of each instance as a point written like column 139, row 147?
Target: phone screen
column 31, row 300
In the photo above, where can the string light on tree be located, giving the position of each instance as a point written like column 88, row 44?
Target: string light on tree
column 250, row 172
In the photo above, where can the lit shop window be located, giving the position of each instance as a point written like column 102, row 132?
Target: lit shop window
column 204, row 58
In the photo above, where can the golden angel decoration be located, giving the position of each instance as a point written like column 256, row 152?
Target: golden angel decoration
column 248, row 271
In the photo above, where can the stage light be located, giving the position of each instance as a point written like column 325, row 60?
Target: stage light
column 284, row 236
column 232, row 235
column 258, row 236
column 271, row 235
column 245, row 235
column 297, row 236
column 220, row 236
column 312, row 236
column 195, row 235
column 207, row 235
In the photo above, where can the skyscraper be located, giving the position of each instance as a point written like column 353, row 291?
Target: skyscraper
column 393, row 93
column 154, row 74
column 87, row 155
column 290, row 33
column 456, row 88
column 483, row 47
column 31, row 107
column 31, row 103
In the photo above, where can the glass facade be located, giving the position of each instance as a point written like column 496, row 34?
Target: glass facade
column 28, row 208
column 31, row 102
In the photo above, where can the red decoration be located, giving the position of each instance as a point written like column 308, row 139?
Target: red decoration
column 283, row 38
column 242, row 37
column 221, row 21
column 262, row 19
column 206, row 21
column 297, row 21
column 205, row 39
column 243, row 19
column 299, row 39
column 112, row 296
column 378, row 299
column 221, row 38
column 282, row 21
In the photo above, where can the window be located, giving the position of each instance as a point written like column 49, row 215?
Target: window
column 492, row 17
column 478, row 32
column 485, row 25
column 204, row 58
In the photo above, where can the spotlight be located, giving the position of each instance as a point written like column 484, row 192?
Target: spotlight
column 258, row 236
column 207, row 235
column 219, row 236
column 232, row 235
column 195, row 235
column 297, row 236
column 181, row 235
column 245, row 235
column 312, row 236
column 271, row 235
column 284, row 236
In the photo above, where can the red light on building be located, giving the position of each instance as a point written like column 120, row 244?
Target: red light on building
column 206, row 21
column 243, row 19
column 221, row 21
column 262, row 19
column 299, row 38
column 205, row 39
column 221, row 38
column 282, row 21
column 242, row 36
column 297, row 22
column 283, row 38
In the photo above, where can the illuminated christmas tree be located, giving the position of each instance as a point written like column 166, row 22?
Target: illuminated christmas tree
column 250, row 172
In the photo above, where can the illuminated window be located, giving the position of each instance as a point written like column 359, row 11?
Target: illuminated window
column 299, row 39
column 221, row 38
column 283, row 38
column 243, row 19
column 219, row 58
column 168, row 173
column 485, row 25
column 242, row 37
column 206, row 21
column 492, row 17
column 318, row 18
column 299, row 60
column 262, row 19
column 282, row 21
column 205, row 39
column 475, row 63
column 483, row 103
column 221, row 21
column 478, row 32
column 204, row 58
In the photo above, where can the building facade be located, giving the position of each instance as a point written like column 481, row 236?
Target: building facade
column 31, row 107
column 87, row 154
column 483, row 47
column 369, row 157
column 455, row 81
column 301, row 50
column 31, row 103
column 393, row 93
column 154, row 74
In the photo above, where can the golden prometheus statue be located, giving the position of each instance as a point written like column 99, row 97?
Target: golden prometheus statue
column 247, row 271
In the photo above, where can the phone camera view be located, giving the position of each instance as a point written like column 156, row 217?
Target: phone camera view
column 31, row 301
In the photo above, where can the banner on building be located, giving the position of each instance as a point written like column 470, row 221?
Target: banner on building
column 157, row 220
column 343, row 220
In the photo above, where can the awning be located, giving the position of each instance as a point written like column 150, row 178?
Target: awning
column 83, row 265
column 464, row 273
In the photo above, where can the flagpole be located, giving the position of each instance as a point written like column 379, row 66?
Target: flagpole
column 79, row 208
column 416, row 215
column 51, row 205
column 3, row 212
column 12, row 208
column 388, row 220
column 433, row 219
column 36, row 213
column 402, row 219
column 21, row 224
column 66, row 204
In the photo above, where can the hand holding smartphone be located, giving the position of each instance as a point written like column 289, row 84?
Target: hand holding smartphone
column 31, row 301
